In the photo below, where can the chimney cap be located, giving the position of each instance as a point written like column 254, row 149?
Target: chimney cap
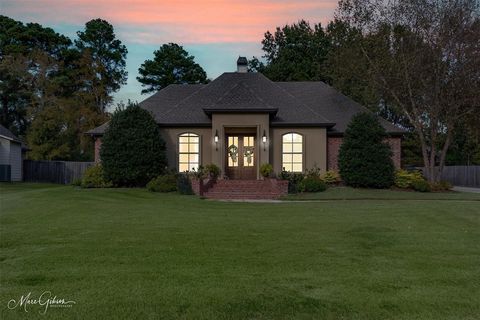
column 242, row 61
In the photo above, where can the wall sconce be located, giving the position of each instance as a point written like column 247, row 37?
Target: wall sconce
column 215, row 138
column 264, row 140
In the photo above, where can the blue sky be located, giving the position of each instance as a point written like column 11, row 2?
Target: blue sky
column 216, row 32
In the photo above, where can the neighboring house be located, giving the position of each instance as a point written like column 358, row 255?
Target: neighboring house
column 11, row 158
column 241, row 120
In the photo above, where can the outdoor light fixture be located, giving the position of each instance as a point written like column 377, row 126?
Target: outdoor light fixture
column 216, row 140
column 264, row 140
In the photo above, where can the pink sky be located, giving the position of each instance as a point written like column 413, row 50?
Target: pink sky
column 216, row 32
column 188, row 21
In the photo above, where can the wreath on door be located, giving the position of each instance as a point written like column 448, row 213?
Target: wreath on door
column 249, row 154
column 233, row 152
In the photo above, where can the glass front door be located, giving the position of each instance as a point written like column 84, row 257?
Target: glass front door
column 241, row 157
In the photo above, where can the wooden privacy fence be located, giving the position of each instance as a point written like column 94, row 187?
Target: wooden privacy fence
column 465, row 176
column 62, row 172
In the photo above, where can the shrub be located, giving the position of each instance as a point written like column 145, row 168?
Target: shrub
column 364, row 158
column 266, row 170
column 315, row 172
column 94, row 178
column 404, row 179
column 421, row 186
column 77, row 183
column 213, row 171
column 199, row 173
column 184, row 185
column 165, row 183
column 331, row 177
column 441, row 186
column 132, row 151
column 294, row 181
column 313, row 184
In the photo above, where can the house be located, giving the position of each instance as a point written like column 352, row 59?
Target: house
column 241, row 120
column 11, row 158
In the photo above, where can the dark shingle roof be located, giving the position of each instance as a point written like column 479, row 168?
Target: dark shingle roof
column 331, row 103
column 289, row 103
column 9, row 135
column 233, row 92
column 98, row 131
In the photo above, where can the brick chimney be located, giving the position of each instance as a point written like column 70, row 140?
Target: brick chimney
column 242, row 64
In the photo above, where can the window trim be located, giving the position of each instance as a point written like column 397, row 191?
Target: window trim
column 190, row 134
column 302, row 153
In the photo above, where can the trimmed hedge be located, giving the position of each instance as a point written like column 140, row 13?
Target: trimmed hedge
column 404, row 179
column 313, row 184
column 94, row 177
column 165, row 183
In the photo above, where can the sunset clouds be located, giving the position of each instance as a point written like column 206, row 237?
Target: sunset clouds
column 216, row 32
column 186, row 21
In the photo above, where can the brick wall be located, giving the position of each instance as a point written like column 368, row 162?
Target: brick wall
column 396, row 145
column 98, row 145
column 334, row 144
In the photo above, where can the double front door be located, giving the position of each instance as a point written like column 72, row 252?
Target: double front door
column 241, row 157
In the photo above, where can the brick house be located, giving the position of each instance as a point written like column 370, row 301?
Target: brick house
column 241, row 120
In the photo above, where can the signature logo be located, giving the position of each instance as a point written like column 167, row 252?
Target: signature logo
column 45, row 300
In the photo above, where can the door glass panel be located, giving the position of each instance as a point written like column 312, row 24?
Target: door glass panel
column 248, row 151
column 232, row 151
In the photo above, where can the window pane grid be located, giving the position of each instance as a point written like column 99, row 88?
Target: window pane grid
column 188, row 152
column 292, row 152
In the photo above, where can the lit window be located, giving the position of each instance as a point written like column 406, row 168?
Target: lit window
column 248, row 151
column 292, row 152
column 188, row 152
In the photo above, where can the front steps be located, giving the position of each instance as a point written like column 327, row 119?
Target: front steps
column 268, row 189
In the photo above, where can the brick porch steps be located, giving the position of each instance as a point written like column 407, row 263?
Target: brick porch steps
column 247, row 189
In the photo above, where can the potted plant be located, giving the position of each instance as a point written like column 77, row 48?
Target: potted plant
column 213, row 171
column 266, row 170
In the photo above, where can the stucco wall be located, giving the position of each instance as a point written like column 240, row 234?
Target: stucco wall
column 314, row 147
column 223, row 122
column 170, row 135
column 334, row 144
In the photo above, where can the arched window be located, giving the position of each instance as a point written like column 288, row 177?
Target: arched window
column 188, row 152
column 292, row 152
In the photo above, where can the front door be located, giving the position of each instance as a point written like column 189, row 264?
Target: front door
column 241, row 157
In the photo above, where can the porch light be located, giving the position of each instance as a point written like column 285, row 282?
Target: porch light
column 264, row 140
column 215, row 138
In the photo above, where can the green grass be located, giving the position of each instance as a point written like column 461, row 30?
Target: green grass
column 131, row 254
column 347, row 193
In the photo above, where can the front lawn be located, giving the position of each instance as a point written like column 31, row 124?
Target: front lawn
column 131, row 254
column 348, row 193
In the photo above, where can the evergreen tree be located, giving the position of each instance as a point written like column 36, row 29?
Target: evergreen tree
column 171, row 65
column 365, row 158
column 133, row 151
